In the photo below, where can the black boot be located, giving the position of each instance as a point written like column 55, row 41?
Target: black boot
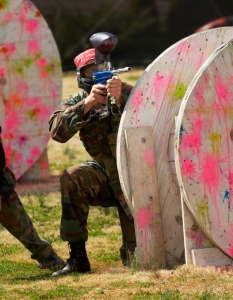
column 77, row 262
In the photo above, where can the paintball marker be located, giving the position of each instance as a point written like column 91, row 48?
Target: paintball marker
column 104, row 43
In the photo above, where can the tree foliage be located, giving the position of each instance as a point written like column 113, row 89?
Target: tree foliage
column 137, row 27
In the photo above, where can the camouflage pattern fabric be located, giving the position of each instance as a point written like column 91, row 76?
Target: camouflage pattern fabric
column 93, row 182
column 83, row 185
column 98, row 136
column 15, row 219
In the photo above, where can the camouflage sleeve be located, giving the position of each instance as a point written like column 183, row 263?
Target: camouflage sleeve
column 68, row 118
column 126, row 90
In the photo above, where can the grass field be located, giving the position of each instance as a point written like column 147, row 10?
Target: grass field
column 21, row 279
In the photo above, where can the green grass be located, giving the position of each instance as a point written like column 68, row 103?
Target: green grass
column 109, row 280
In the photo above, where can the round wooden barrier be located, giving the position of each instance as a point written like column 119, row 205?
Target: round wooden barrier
column 204, row 140
column 30, row 83
column 155, row 102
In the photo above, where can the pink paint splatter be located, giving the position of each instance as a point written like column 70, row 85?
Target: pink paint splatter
column 199, row 91
column 198, row 123
column 33, row 47
column 35, row 151
column 36, row 110
column 201, row 61
column 30, row 161
column 229, row 241
column 12, row 119
column 199, row 239
column 216, row 111
column 222, row 90
column 2, row 72
column 19, row 157
column 144, row 218
column 22, row 17
column 8, row 17
column 150, row 157
column 211, row 178
column 22, row 140
column 23, row 87
column 191, row 142
column 7, row 49
column 32, row 26
column 180, row 47
column 41, row 62
column 159, row 83
column 54, row 94
column 137, row 102
column 230, row 180
column 188, row 168
column 230, row 251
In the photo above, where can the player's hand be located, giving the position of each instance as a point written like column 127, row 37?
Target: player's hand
column 114, row 88
column 96, row 98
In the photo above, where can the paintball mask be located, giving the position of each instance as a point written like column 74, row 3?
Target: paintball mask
column 99, row 57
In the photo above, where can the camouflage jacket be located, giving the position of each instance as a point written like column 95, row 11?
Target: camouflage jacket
column 98, row 136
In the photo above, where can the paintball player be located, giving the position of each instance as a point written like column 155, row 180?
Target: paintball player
column 16, row 220
column 93, row 182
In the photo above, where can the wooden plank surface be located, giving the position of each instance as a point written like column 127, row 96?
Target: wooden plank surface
column 146, row 205
column 210, row 257
column 194, row 238
column 205, row 148
column 155, row 101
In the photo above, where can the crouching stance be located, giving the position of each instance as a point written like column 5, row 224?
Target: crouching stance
column 95, row 182
column 16, row 220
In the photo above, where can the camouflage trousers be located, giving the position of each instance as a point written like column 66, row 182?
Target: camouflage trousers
column 15, row 219
column 83, row 185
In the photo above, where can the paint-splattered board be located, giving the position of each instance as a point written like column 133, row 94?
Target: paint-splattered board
column 204, row 160
column 148, row 228
column 155, row 101
column 30, row 82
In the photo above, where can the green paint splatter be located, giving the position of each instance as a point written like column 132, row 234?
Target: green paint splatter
column 38, row 55
column 19, row 69
column 28, row 62
column 203, row 212
column 179, row 92
column 3, row 4
column 17, row 66
column 57, row 63
column 207, row 244
column 33, row 113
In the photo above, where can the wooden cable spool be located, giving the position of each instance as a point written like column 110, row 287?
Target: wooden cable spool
column 30, row 85
column 153, row 106
column 204, row 148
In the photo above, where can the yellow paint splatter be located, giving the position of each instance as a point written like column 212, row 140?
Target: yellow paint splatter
column 203, row 212
column 216, row 141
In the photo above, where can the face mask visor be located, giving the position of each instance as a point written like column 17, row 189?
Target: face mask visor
column 87, row 71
